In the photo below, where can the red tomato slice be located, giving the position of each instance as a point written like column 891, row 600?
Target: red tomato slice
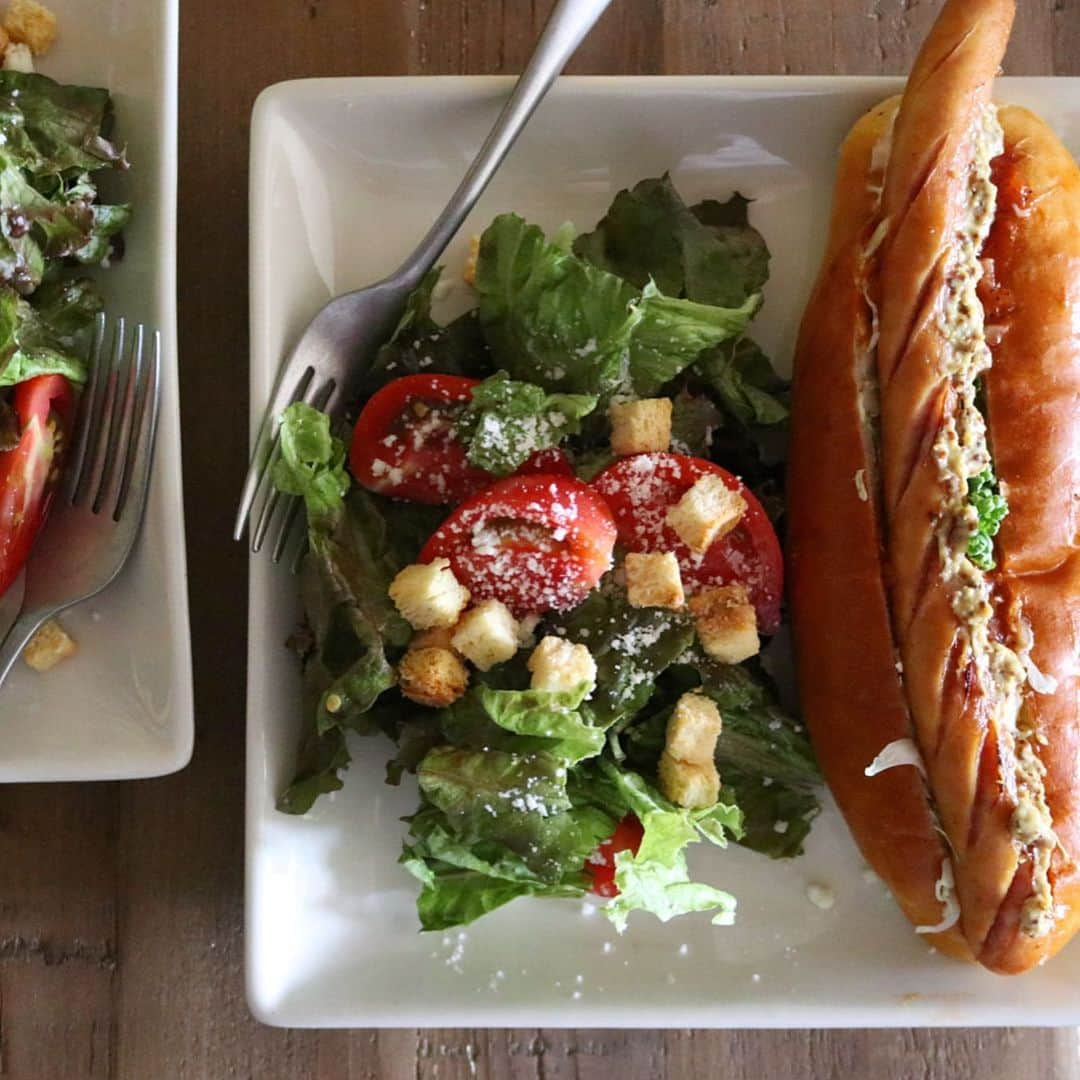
column 537, row 543
column 600, row 865
column 45, row 406
column 553, row 461
column 640, row 489
column 404, row 443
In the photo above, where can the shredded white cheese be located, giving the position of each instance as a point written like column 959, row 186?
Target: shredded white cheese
column 860, row 485
column 1039, row 681
column 898, row 752
column 945, row 892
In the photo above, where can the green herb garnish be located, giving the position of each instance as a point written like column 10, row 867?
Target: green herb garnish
column 985, row 495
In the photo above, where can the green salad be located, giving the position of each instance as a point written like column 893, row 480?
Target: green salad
column 54, row 140
column 546, row 565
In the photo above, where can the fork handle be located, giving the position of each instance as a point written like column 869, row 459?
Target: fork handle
column 569, row 23
column 18, row 637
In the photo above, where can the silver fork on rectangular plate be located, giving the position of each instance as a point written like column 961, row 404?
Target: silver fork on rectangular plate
column 96, row 514
column 325, row 367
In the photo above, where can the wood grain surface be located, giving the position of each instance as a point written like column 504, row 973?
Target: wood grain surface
column 121, row 948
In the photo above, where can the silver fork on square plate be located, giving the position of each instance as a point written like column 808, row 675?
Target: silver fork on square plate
column 95, row 517
column 325, row 366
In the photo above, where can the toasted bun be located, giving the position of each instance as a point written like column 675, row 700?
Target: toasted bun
column 925, row 204
column 1031, row 296
column 886, row 647
column 851, row 691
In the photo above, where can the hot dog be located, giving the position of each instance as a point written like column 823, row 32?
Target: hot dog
column 937, row 385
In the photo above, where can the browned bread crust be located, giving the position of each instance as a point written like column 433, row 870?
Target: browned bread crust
column 852, row 695
column 927, row 208
column 885, row 649
column 1031, row 295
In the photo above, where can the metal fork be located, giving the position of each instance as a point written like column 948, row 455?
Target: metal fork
column 324, row 367
column 96, row 515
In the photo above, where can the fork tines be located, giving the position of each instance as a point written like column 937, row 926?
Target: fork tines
column 261, row 502
column 118, row 413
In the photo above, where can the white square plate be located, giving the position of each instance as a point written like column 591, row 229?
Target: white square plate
column 346, row 176
column 122, row 708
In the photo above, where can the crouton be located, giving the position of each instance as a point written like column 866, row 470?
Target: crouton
column 49, row 646
column 436, row 637
column 706, row 512
column 640, row 427
column 428, row 594
column 653, row 580
column 726, row 623
column 695, row 787
column 19, row 58
column 32, row 24
column 5, row 41
column 560, row 665
column 432, row 676
column 687, row 771
column 693, row 729
column 469, row 273
column 487, row 634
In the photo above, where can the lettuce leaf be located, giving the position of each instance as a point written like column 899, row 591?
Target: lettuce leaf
column 710, row 253
column 496, row 826
column 553, row 318
column 68, row 307
column 548, row 316
column 766, row 764
column 674, row 332
column 549, row 716
column 518, row 802
column 321, row 759
column 744, row 382
column 522, row 721
column 777, row 815
column 53, row 129
column 758, row 736
column 462, row 881
column 508, row 421
column 356, row 632
column 354, row 566
column 657, row 879
column 68, row 225
column 694, row 423
column 631, row 647
column 53, row 138
column 312, row 465
column 48, row 334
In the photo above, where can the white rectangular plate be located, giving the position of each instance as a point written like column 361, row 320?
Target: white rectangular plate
column 122, row 708
column 346, row 176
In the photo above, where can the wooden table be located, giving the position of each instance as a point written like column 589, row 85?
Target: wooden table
column 121, row 946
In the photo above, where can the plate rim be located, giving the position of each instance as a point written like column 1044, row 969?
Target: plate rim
column 174, row 754
column 578, row 1014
